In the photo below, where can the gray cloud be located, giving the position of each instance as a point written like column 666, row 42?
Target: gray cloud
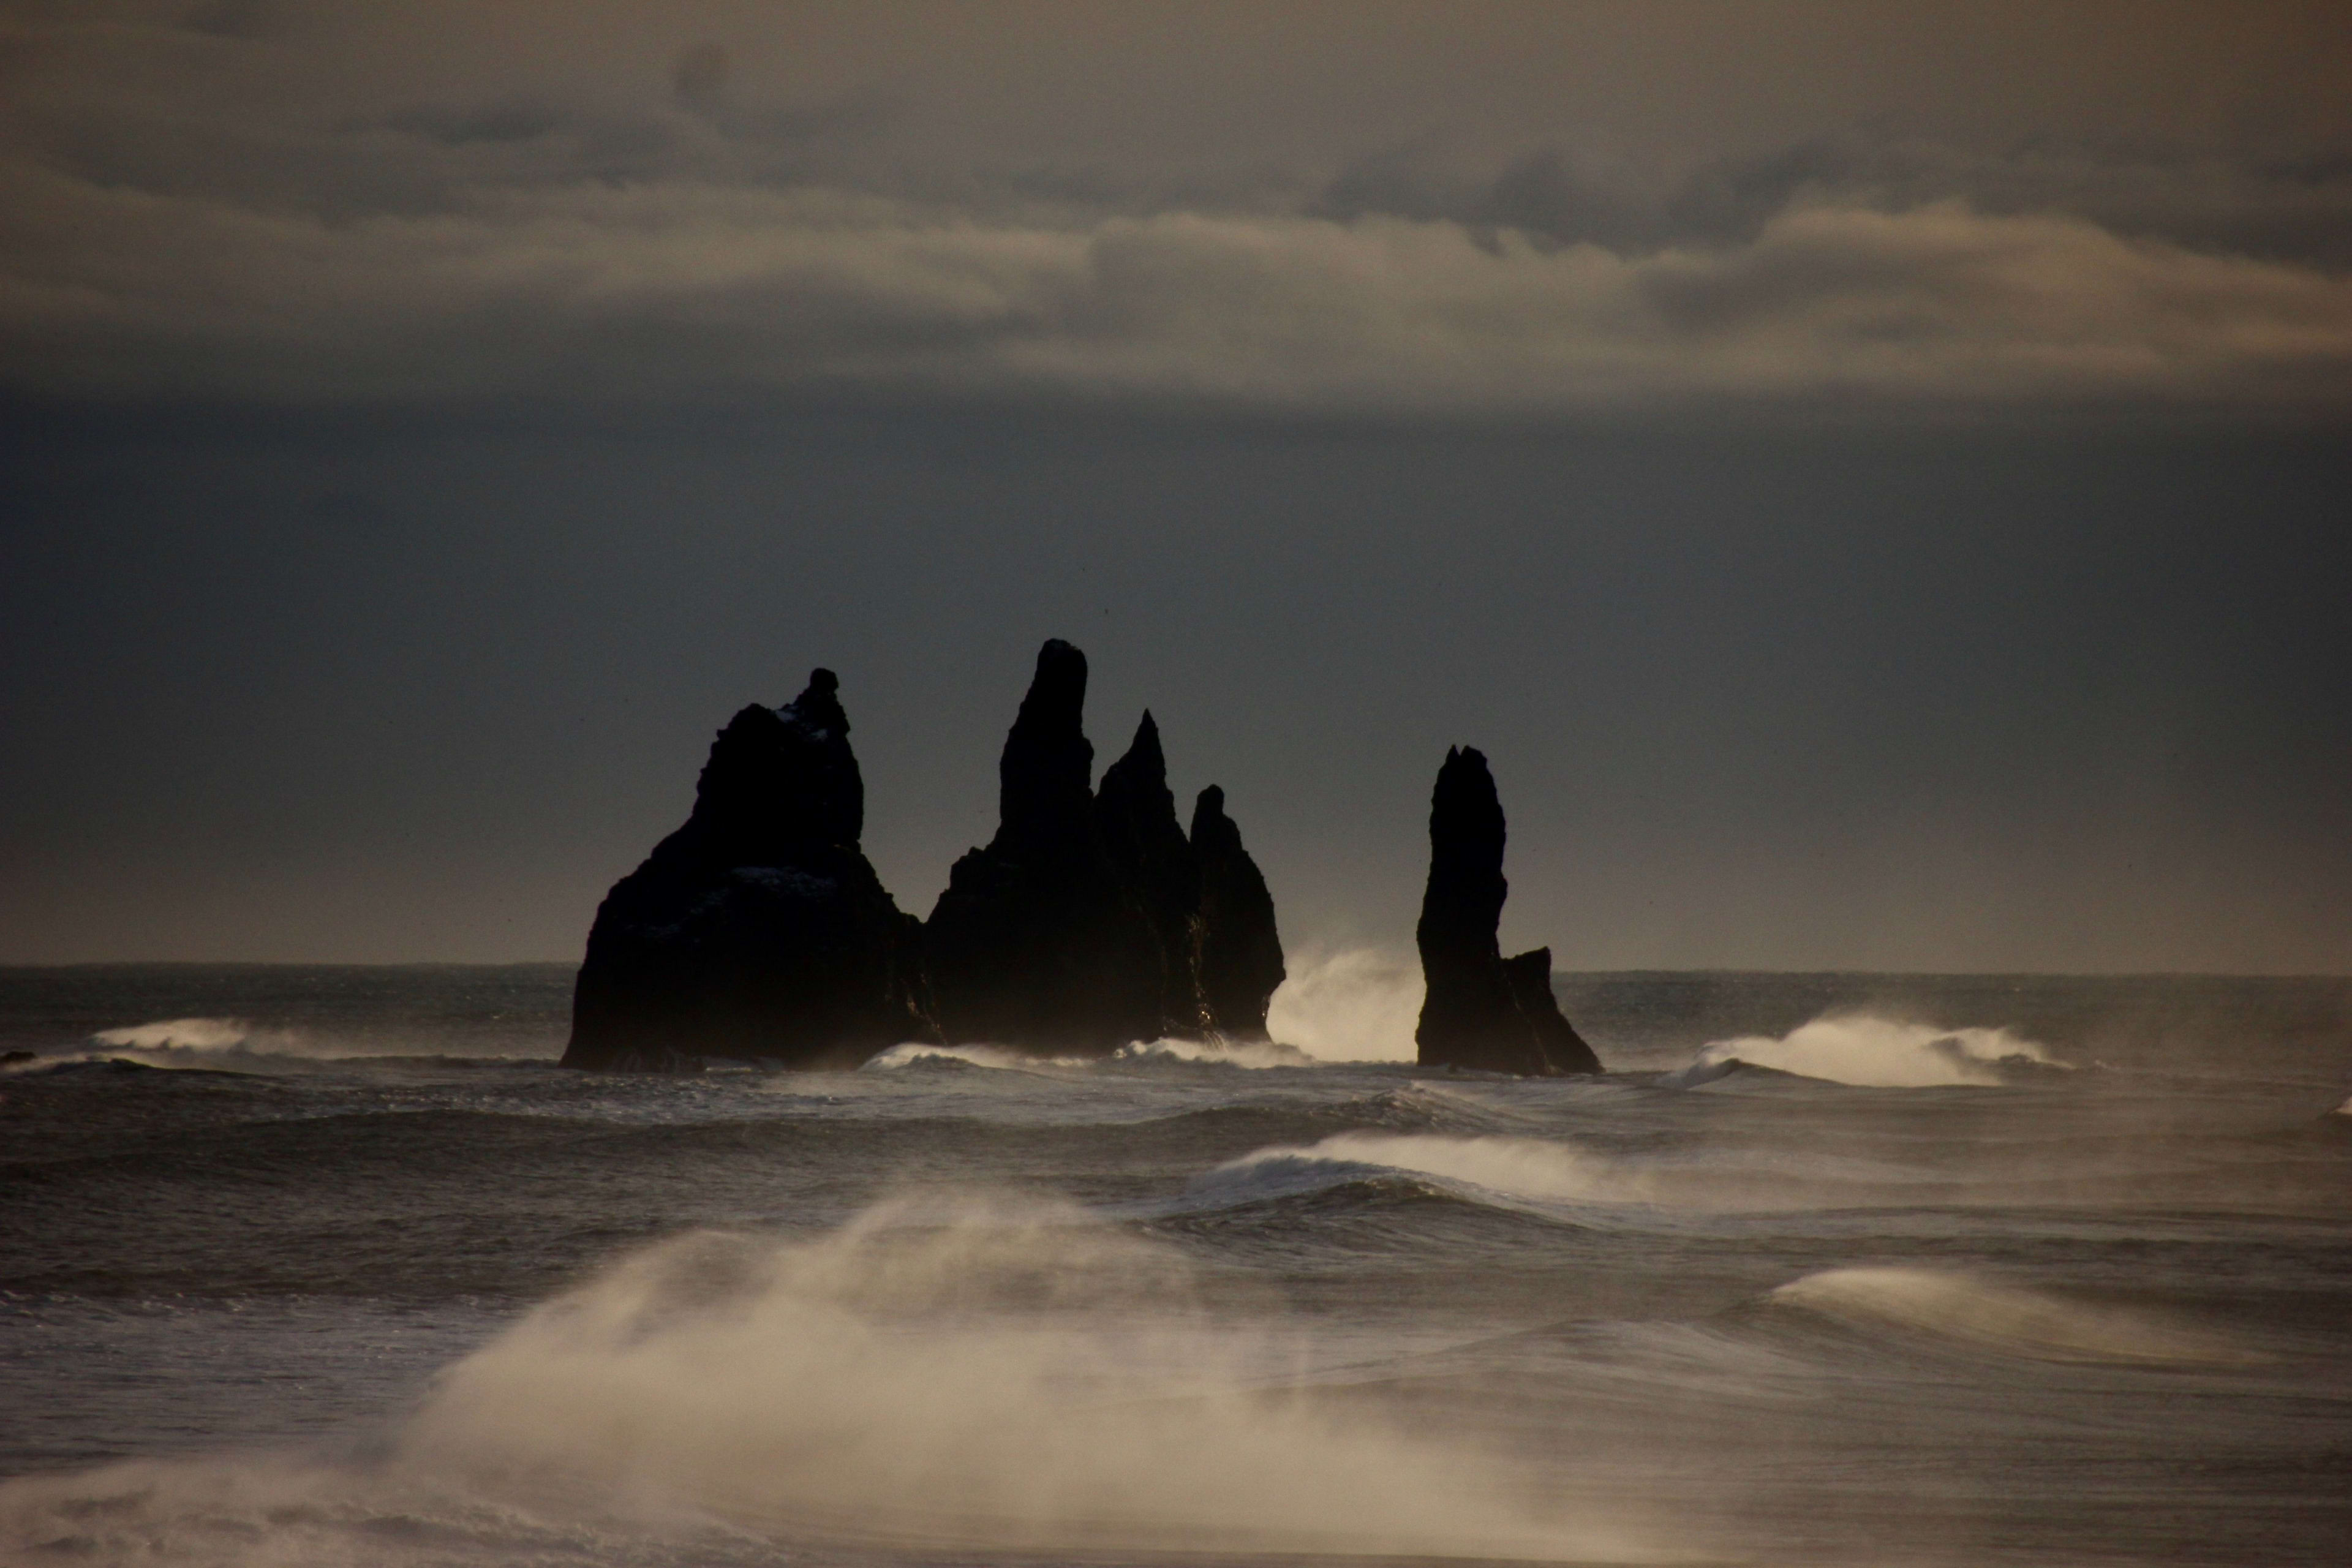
column 313, row 203
column 675, row 290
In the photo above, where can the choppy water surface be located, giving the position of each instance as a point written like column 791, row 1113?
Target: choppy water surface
column 333, row 1266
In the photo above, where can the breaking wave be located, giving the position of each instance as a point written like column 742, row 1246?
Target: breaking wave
column 1559, row 1180
column 2015, row 1318
column 168, row 1040
column 183, row 1034
column 1509, row 1168
column 1216, row 1053
column 1864, row 1049
column 1223, row 1053
column 999, row 1058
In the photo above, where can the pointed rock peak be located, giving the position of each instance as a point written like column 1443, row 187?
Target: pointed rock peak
column 1465, row 811
column 820, row 706
column 1145, row 765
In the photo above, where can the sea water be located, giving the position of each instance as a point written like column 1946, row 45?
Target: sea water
column 336, row 1266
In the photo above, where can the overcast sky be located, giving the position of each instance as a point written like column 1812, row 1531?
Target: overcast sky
column 1873, row 478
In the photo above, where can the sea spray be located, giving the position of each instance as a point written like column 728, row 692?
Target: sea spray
column 184, row 1034
column 995, row 1371
column 1359, row 1005
column 2000, row 1315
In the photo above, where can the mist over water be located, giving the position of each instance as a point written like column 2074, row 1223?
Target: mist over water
column 335, row 1267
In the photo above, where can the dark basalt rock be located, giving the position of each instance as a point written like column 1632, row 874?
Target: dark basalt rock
column 1237, row 952
column 1481, row 1011
column 1152, row 858
column 1092, row 921
column 758, row 929
column 1039, row 941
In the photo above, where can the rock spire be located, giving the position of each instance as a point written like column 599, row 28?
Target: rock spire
column 1090, row 919
column 1481, row 1011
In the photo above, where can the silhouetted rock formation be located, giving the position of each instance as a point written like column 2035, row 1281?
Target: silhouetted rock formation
column 1481, row 1011
column 1236, row 952
column 1153, row 861
column 1090, row 921
column 757, row 930
column 1038, row 940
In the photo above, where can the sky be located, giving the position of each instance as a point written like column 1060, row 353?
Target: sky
column 1871, row 476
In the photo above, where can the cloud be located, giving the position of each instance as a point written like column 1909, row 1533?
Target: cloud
column 672, row 290
column 2273, row 207
column 313, row 203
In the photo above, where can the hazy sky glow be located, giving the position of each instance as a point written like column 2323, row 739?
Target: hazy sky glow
column 1871, row 476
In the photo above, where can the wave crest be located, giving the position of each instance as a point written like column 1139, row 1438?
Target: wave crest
column 1510, row 1168
column 1870, row 1051
column 191, row 1034
column 2013, row 1319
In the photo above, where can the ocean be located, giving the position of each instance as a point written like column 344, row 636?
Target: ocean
column 334, row 1266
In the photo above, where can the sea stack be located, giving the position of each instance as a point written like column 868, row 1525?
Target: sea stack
column 1238, row 950
column 1090, row 921
column 1038, row 941
column 758, row 929
column 1481, row 1011
column 1152, row 859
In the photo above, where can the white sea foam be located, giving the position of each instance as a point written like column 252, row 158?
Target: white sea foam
column 1865, row 1049
column 1000, row 1058
column 2015, row 1319
column 1361, row 1005
column 1228, row 1053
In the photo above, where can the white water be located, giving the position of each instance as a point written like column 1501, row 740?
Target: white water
column 1000, row 1058
column 1864, row 1049
column 1255, row 1054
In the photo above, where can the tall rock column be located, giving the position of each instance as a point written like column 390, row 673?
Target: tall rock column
column 1037, row 941
column 1481, row 1011
column 758, row 929
column 1138, row 817
column 1238, row 953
